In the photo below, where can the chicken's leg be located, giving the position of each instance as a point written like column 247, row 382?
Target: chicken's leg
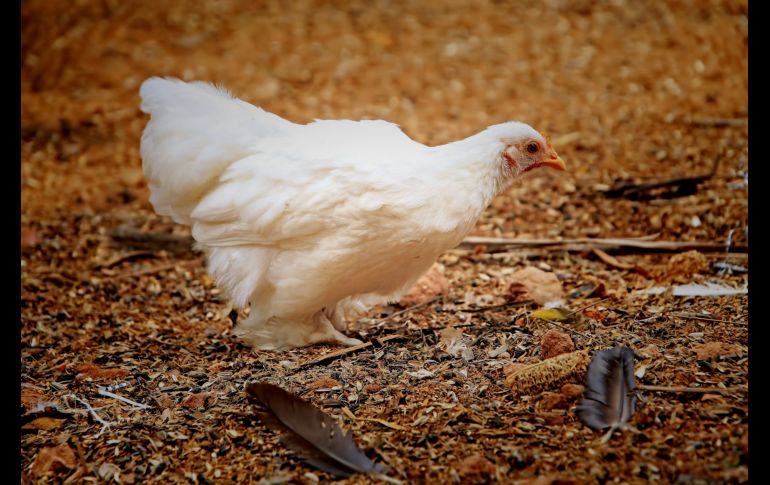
column 278, row 333
column 325, row 332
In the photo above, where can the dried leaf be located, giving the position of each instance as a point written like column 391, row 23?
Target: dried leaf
column 388, row 424
column 421, row 374
column 713, row 350
column 537, row 285
column 108, row 471
column 199, row 400
column 610, row 400
column 455, row 343
column 554, row 314
column 53, row 457
column 44, row 423
column 95, row 372
column 682, row 266
column 311, row 433
column 612, row 260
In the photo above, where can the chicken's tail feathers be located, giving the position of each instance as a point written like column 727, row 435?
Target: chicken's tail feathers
column 195, row 132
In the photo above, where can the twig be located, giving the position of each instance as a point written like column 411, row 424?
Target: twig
column 83, row 468
column 334, row 354
column 611, row 260
column 582, row 244
column 682, row 186
column 347, row 350
column 92, row 411
column 407, row 310
column 704, row 390
column 106, row 392
column 124, row 257
column 387, row 479
column 495, row 307
column 588, row 306
column 557, row 324
column 719, row 122
column 705, row 319
column 153, row 241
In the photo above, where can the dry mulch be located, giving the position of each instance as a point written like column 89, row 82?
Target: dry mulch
column 629, row 92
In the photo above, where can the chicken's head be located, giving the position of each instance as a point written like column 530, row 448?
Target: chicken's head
column 528, row 150
column 531, row 151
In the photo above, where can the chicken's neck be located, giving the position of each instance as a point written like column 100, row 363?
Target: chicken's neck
column 473, row 166
column 468, row 178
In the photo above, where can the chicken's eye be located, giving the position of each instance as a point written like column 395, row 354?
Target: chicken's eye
column 532, row 147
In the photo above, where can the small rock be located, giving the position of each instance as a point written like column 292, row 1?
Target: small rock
column 552, row 400
column 555, row 343
column 572, row 391
column 552, row 419
column 372, row 388
column 476, row 468
column 430, row 285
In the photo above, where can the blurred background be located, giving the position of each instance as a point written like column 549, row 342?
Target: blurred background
column 626, row 90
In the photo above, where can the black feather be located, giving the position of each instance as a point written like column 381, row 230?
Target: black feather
column 311, row 432
column 610, row 390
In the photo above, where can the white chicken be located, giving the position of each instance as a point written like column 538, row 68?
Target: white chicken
column 312, row 224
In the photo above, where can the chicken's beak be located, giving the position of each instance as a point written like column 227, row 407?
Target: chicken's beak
column 555, row 162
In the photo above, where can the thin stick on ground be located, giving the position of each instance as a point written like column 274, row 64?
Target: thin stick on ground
column 92, row 412
column 496, row 307
column 407, row 310
column 705, row 319
column 344, row 351
column 583, row 244
column 107, row 393
column 682, row 389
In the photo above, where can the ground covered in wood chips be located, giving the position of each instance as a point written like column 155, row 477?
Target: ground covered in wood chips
column 630, row 93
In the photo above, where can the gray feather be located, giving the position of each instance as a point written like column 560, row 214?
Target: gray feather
column 311, row 432
column 610, row 400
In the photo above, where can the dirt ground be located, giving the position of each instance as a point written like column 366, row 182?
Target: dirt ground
column 629, row 92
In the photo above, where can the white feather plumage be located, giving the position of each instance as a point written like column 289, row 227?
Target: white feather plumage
column 308, row 224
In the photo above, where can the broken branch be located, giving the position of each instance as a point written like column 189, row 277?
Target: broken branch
column 677, row 389
column 583, row 244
